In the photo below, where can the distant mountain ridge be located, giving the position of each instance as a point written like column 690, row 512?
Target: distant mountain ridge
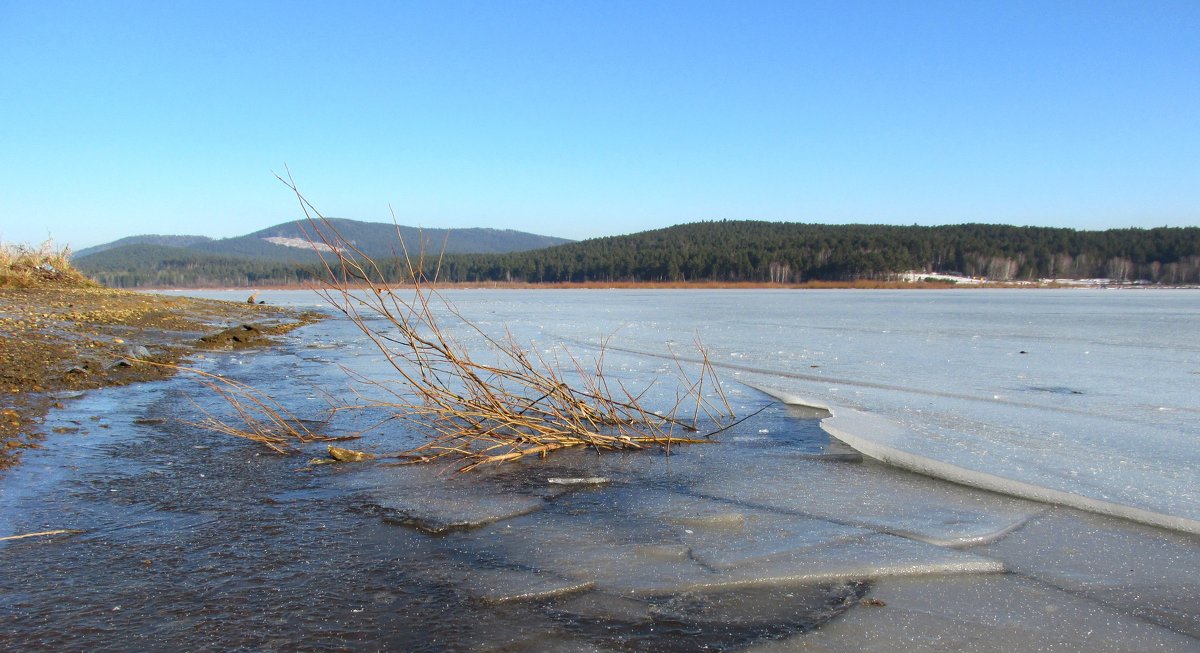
column 289, row 241
column 720, row 251
column 147, row 239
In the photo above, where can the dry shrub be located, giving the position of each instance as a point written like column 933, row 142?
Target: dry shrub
column 518, row 403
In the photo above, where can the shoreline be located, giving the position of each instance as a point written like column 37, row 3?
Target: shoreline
column 760, row 520
column 58, row 342
column 702, row 285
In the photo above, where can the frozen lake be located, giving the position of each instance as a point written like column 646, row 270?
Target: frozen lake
column 777, row 537
column 1087, row 392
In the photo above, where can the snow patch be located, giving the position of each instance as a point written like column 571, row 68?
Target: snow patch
column 299, row 243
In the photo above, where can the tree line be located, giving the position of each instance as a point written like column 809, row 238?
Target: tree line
column 747, row 251
column 737, row 251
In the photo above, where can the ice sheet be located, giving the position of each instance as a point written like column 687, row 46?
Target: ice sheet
column 435, row 500
column 893, row 444
column 1092, row 393
column 594, row 553
column 980, row 614
column 515, row 584
column 868, row 497
column 654, row 530
column 1144, row 571
column 889, row 442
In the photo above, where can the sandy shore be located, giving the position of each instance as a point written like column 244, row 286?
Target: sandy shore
column 55, row 341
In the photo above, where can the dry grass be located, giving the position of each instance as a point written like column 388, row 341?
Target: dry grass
column 24, row 266
column 474, row 412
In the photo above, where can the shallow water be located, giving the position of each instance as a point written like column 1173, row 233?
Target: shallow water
column 777, row 537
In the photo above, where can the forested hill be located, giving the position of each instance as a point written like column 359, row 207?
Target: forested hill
column 751, row 251
column 289, row 241
column 780, row 252
column 156, row 266
column 149, row 239
column 279, row 255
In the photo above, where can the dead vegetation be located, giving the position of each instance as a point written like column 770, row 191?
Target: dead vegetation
column 498, row 402
column 261, row 418
column 25, row 266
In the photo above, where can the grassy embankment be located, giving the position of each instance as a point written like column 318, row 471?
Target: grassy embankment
column 23, row 266
column 61, row 332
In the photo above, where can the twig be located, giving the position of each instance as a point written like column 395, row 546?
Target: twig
column 64, row 531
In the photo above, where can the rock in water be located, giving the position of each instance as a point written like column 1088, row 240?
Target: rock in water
column 241, row 335
column 348, row 455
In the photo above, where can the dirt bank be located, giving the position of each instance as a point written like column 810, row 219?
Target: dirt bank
column 55, row 341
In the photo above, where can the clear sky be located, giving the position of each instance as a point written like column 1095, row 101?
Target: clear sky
column 582, row 119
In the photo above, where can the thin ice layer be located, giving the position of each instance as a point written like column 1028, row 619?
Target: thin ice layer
column 1144, row 571
column 433, row 500
column 721, row 536
column 722, row 620
column 865, row 496
column 1089, row 393
column 980, row 614
column 1086, row 393
column 643, row 556
column 891, row 443
column 506, row 585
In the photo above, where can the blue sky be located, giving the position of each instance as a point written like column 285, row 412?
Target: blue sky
column 582, row 119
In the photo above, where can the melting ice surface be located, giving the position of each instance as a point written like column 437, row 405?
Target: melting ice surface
column 1089, row 393
column 776, row 538
column 1084, row 393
